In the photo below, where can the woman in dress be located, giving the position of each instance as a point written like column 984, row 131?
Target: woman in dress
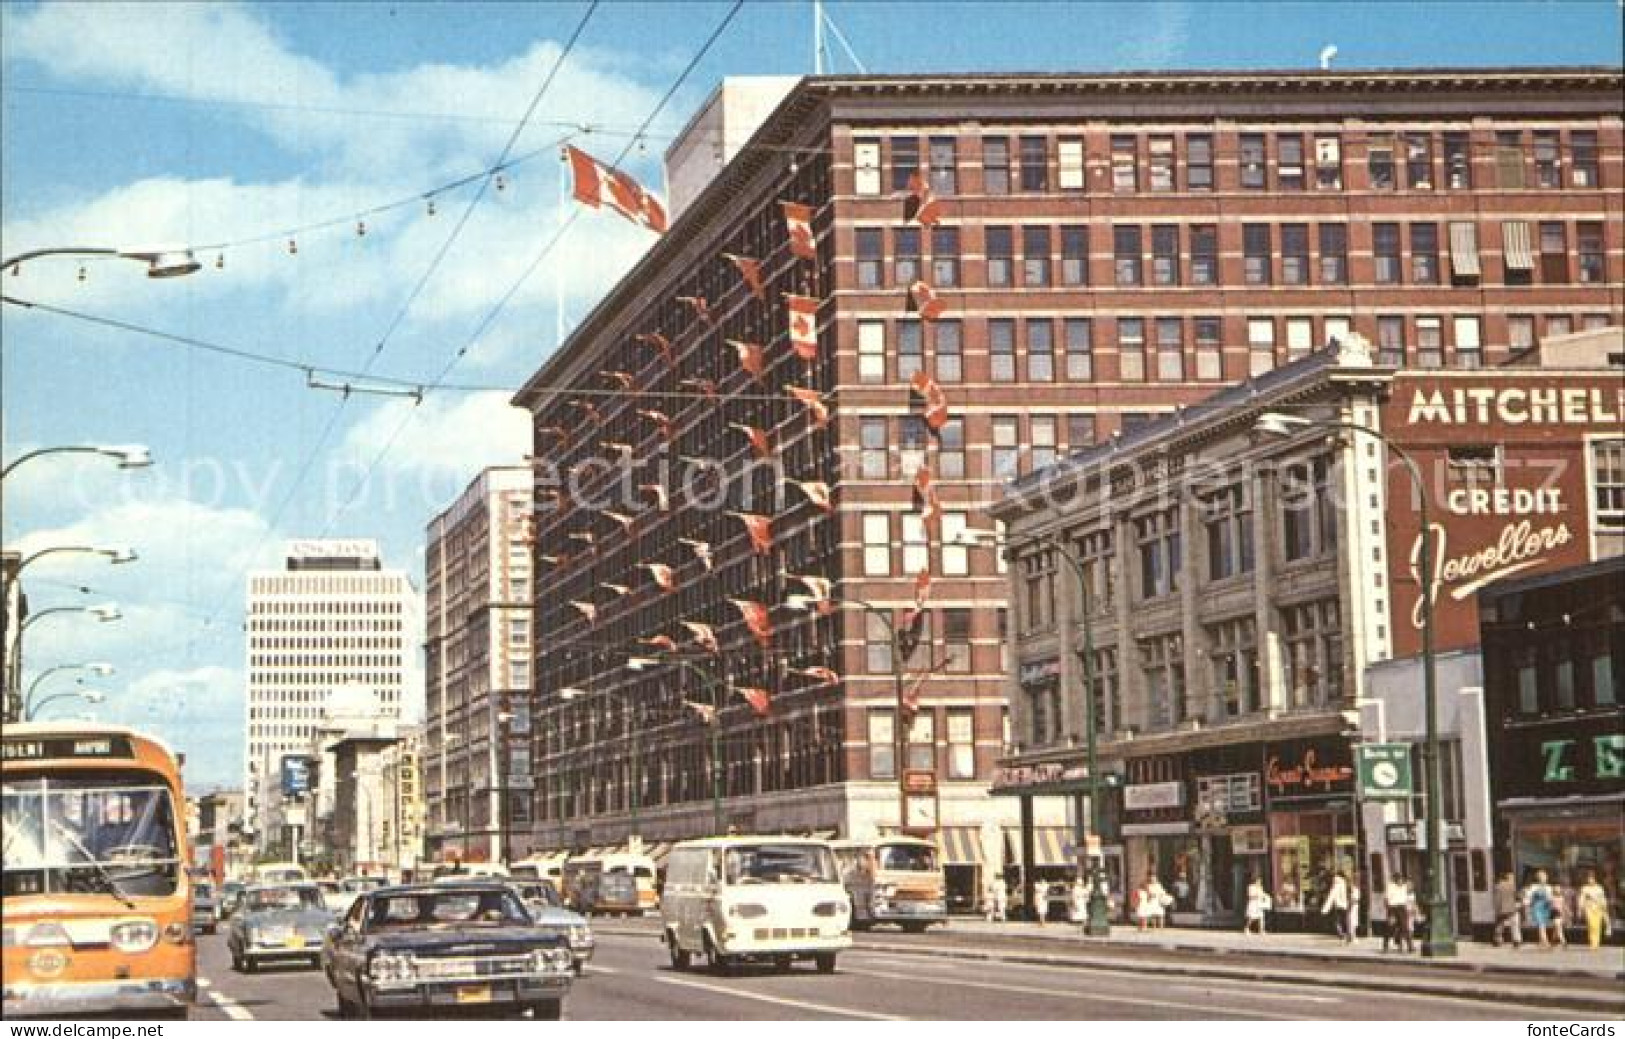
column 1258, row 906
column 1593, row 906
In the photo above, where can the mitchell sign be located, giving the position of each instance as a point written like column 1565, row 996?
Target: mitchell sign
column 1516, row 406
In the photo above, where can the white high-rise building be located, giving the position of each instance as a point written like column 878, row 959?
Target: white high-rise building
column 333, row 617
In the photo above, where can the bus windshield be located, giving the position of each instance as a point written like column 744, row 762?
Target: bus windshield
column 908, row 858
column 89, row 834
column 780, row 864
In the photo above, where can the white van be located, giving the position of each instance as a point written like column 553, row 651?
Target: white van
column 640, row 867
column 772, row 899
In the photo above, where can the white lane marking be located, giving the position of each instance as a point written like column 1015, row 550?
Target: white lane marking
column 204, row 983
column 593, row 968
column 230, row 1007
column 1204, row 1009
column 821, row 1008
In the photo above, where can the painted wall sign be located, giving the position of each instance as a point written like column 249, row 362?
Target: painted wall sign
column 1309, row 774
column 1146, row 796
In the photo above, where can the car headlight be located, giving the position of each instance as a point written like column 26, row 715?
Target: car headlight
column 885, row 890
column 134, row 935
column 555, row 960
column 830, row 909
column 747, row 910
column 387, row 966
column 580, row 935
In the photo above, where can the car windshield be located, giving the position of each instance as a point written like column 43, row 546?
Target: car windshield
column 780, row 864
column 272, row 899
column 542, row 893
column 909, row 858
column 202, row 891
column 89, row 834
column 354, row 884
column 446, row 910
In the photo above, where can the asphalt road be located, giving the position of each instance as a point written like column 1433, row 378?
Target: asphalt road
column 630, row 980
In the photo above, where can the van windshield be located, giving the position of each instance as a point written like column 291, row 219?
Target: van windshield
column 908, row 858
column 779, row 864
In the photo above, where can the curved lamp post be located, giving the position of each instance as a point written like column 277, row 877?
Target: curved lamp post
column 104, row 612
column 161, row 261
column 1441, row 939
column 128, row 456
column 96, row 668
column 90, row 696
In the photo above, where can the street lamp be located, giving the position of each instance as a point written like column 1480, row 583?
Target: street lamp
column 90, row 696
column 128, row 456
column 161, row 261
column 103, row 612
column 719, row 694
column 1441, row 940
column 97, row 668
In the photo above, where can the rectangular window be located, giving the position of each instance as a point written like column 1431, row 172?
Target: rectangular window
column 944, row 257
column 866, row 167
column 874, row 450
column 1165, row 254
column 910, row 349
column 1594, row 322
column 916, row 544
column 1160, row 553
column 870, row 257
column 1308, row 510
column 1520, row 333
column 1044, row 439
column 1468, row 334
column 1074, row 256
column 951, row 450
column 961, row 720
column 1473, row 466
column 1228, row 518
column 1199, row 162
column 905, row 161
column 1070, row 156
column 956, row 542
column 1328, row 162
column 1554, row 254
column 1209, row 348
column 1034, row 164
column 871, row 351
column 1458, row 161
column 1300, row 337
column 1260, row 345
column 906, row 263
column 1558, row 325
column 1429, row 342
column 948, row 343
column 1125, row 164
column 1419, row 161
column 1126, row 251
column 882, row 740
column 1380, row 162
column 1592, row 261
column 1289, row 164
column 1006, row 447
column 1170, row 349
column 876, row 545
column 1548, row 169
column 944, row 175
column 1252, row 161
column 1509, row 159
column 1080, row 432
column 1385, row 253
column 1162, row 163
column 1001, row 348
column 1391, row 341
column 1162, row 661
column 1334, row 254
column 1294, row 254
column 1234, row 653
column 1131, row 349
column 1040, row 349
column 1465, row 268
column 1000, row 256
column 1035, row 257
column 1608, row 496
column 1204, row 254
column 1255, row 240
column 1080, row 349
column 996, row 165
column 1425, row 254
column 1313, row 636
column 1584, row 172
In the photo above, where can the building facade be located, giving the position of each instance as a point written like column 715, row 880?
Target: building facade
column 1104, row 250
column 404, row 821
column 333, row 616
column 476, row 734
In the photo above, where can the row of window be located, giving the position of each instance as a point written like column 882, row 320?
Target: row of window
column 1287, row 161
column 957, row 745
column 304, row 607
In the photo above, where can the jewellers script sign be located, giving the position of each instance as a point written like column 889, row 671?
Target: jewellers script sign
column 1512, row 499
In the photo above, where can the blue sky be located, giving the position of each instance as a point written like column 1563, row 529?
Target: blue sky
column 226, row 123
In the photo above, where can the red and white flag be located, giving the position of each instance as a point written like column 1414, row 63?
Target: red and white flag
column 814, row 402
column 824, row 675
column 707, row 388
column 664, row 575
column 598, row 185
column 798, row 224
column 936, row 402
column 816, row 491
column 911, row 697
column 751, row 357
column 757, row 618
column 760, row 529
column 924, row 300
column 820, row 590
column 704, row 635
column 588, row 610
column 803, row 326
column 760, row 445
column 760, row 700
column 925, row 498
column 618, row 589
column 587, row 408
column 558, row 433
column 751, row 270
column 582, row 535
column 923, row 207
column 661, row 420
column 659, row 494
column 701, row 550
column 922, row 586
column 664, row 642
column 706, row 712
column 620, row 447
column 621, row 379
column 622, row 518
column 659, row 342
column 698, row 304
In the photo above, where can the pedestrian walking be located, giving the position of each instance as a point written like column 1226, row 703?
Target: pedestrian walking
column 1544, row 914
column 1154, row 901
column 1400, row 901
column 1341, row 905
column 1508, row 910
column 1079, row 906
column 1593, row 906
column 1259, row 904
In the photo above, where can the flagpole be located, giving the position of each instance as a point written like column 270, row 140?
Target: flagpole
column 818, row 37
column 558, row 269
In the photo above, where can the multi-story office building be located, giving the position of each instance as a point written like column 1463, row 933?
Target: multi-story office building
column 1105, row 249
column 476, row 736
column 332, row 617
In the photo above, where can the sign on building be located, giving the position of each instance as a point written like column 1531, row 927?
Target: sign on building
column 1385, row 771
column 295, row 776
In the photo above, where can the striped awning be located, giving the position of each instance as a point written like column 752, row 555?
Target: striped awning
column 961, row 846
column 1515, row 247
column 658, row 850
column 1049, row 845
column 1464, row 249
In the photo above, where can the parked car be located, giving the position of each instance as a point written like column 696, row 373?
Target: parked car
column 548, row 909
column 231, row 894
column 469, row 945
column 334, row 898
column 278, row 922
column 205, row 907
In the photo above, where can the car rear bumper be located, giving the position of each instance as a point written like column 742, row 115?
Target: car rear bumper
column 748, row 944
column 63, row 999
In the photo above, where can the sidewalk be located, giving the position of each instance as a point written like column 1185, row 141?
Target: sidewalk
column 1607, row 962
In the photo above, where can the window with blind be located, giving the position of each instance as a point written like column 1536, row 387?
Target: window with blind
column 1126, row 252
column 996, row 165
column 1000, row 241
column 1074, row 255
column 1131, row 349
column 1080, row 356
column 1554, row 255
column 1035, row 257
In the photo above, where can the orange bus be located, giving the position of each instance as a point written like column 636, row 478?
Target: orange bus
column 97, row 902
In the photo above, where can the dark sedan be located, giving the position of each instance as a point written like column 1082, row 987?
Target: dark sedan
column 441, row 947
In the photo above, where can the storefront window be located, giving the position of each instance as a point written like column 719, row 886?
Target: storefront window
column 1567, row 848
column 1307, row 851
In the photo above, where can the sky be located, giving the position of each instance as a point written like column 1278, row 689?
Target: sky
column 269, row 136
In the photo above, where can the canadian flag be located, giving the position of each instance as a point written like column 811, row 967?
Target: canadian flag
column 621, row 379
column 659, row 342
column 936, row 402
column 798, row 224
column 665, row 642
column 911, row 697
column 760, row 529
column 706, row 387
column 598, row 185
column 760, row 700
column 660, row 419
column 582, row 535
column 620, row 447
column 922, row 586
column 704, row 635
column 922, row 207
column 757, row 618
column 622, row 518
column 701, row 550
column 751, row 270
column 925, row 498
column 558, row 433
column 760, row 445
column 816, row 491
column 706, row 712
column 751, row 357
column 826, row 675
column 587, row 408
column 664, row 575
column 925, row 301
column 814, row 402
column 698, row 304
column 618, row 589
column 659, row 494
column 803, row 326
column 588, row 610
column 819, row 590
